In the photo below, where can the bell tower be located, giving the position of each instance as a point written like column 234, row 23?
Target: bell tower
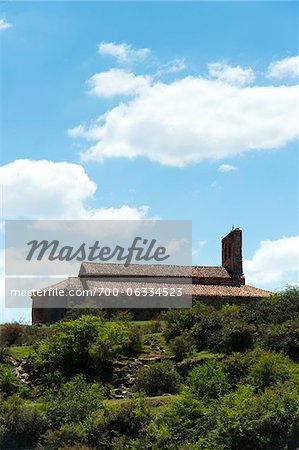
column 232, row 253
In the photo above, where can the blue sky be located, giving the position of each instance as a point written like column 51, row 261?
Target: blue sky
column 51, row 51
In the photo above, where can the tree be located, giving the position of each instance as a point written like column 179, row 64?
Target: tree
column 207, row 331
column 86, row 345
column 271, row 369
column 181, row 346
column 74, row 401
column 246, row 420
column 282, row 338
column 208, row 381
column 237, row 336
column 158, row 378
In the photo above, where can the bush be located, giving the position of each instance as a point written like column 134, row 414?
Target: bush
column 207, row 381
column 134, row 345
column 230, row 312
column 244, row 420
column 122, row 316
column 77, row 313
column 237, row 336
column 73, row 402
column 122, row 419
column 86, row 345
column 207, row 331
column 68, row 436
column 177, row 320
column 10, row 384
column 237, row 367
column 22, row 424
column 276, row 309
column 180, row 346
column 157, row 379
column 10, row 333
column 271, row 369
column 282, row 338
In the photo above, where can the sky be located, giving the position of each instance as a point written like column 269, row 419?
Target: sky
column 157, row 110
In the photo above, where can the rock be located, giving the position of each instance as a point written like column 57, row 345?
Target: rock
column 118, row 396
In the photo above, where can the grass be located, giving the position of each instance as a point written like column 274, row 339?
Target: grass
column 149, row 326
column 151, row 402
column 204, row 354
column 152, row 340
column 20, row 352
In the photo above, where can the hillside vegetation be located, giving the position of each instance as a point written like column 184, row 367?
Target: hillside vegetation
column 195, row 379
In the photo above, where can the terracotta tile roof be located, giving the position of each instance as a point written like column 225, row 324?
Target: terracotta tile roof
column 210, row 272
column 133, row 270
column 228, row 291
column 198, row 290
column 121, row 284
column 153, row 270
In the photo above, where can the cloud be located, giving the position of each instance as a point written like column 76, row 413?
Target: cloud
column 227, row 168
column 285, row 68
column 117, row 82
column 195, row 119
column 124, row 53
column 76, row 131
column 274, row 262
column 235, row 75
column 176, row 65
column 198, row 246
column 55, row 190
column 4, row 25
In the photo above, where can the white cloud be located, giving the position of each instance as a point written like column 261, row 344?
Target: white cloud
column 92, row 133
column 117, row 82
column 176, row 65
column 235, row 75
column 197, row 248
column 124, row 53
column 274, row 262
column 194, row 119
column 288, row 67
column 54, row 190
column 4, row 25
column 76, row 131
column 227, row 168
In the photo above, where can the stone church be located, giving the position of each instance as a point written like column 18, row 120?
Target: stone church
column 214, row 285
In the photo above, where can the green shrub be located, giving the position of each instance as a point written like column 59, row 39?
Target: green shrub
column 207, row 331
column 237, row 336
column 282, row 338
column 180, row 346
column 244, row 420
column 68, row 436
column 237, row 367
column 177, row 320
column 158, row 378
column 122, row 316
column 230, row 312
column 4, row 353
column 271, row 369
column 276, row 309
column 77, row 313
column 10, row 333
column 207, row 381
column 134, row 344
column 10, row 383
column 73, row 401
column 86, row 345
column 23, row 423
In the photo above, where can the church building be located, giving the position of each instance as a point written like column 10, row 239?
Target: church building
column 214, row 285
